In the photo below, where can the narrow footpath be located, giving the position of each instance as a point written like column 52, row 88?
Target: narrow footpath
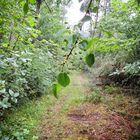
column 77, row 116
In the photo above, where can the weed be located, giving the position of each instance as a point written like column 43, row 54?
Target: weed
column 94, row 97
column 110, row 89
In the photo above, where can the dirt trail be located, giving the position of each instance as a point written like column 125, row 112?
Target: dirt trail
column 72, row 118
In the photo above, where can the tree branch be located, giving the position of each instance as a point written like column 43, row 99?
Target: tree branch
column 67, row 57
column 48, row 6
column 87, row 11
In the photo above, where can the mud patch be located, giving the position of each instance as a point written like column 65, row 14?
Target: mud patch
column 99, row 124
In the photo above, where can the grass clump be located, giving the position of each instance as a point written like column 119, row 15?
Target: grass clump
column 110, row 89
column 94, row 97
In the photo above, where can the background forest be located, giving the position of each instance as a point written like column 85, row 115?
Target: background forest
column 39, row 49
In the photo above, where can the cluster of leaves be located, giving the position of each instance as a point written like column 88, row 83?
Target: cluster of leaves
column 80, row 49
column 13, row 78
column 114, row 30
column 117, row 32
column 127, row 36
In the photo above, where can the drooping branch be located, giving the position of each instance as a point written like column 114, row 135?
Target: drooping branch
column 50, row 10
column 67, row 56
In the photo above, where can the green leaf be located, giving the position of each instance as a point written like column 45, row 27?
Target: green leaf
column 90, row 59
column 63, row 79
column 16, row 94
column 55, row 89
column 25, row 8
column 11, row 92
column 83, row 45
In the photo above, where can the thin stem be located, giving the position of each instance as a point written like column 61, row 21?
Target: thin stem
column 67, row 57
column 50, row 10
column 88, row 7
column 96, row 20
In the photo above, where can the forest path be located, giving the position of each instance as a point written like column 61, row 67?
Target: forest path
column 53, row 124
column 71, row 117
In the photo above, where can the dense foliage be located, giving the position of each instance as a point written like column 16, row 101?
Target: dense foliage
column 35, row 48
column 28, row 64
column 115, row 36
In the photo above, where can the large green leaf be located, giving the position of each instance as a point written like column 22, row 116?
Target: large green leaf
column 90, row 59
column 83, row 45
column 55, row 89
column 86, row 44
column 63, row 79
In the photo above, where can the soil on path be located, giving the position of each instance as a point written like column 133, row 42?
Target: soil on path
column 73, row 118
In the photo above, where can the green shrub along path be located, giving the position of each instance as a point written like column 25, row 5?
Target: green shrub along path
column 83, row 111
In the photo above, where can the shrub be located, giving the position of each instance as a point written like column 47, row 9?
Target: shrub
column 111, row 90
column 94, row 97
column 24, row 75
column 13, row 81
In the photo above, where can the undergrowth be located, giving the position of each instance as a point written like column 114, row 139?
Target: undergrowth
column 21, row 123
column 94, row 97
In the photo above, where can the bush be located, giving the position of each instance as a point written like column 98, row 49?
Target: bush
column 27, row 74
column 13, row 81
column 111, row 89
column 94, row 97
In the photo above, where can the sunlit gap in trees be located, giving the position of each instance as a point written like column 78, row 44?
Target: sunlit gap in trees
column 74, row 15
